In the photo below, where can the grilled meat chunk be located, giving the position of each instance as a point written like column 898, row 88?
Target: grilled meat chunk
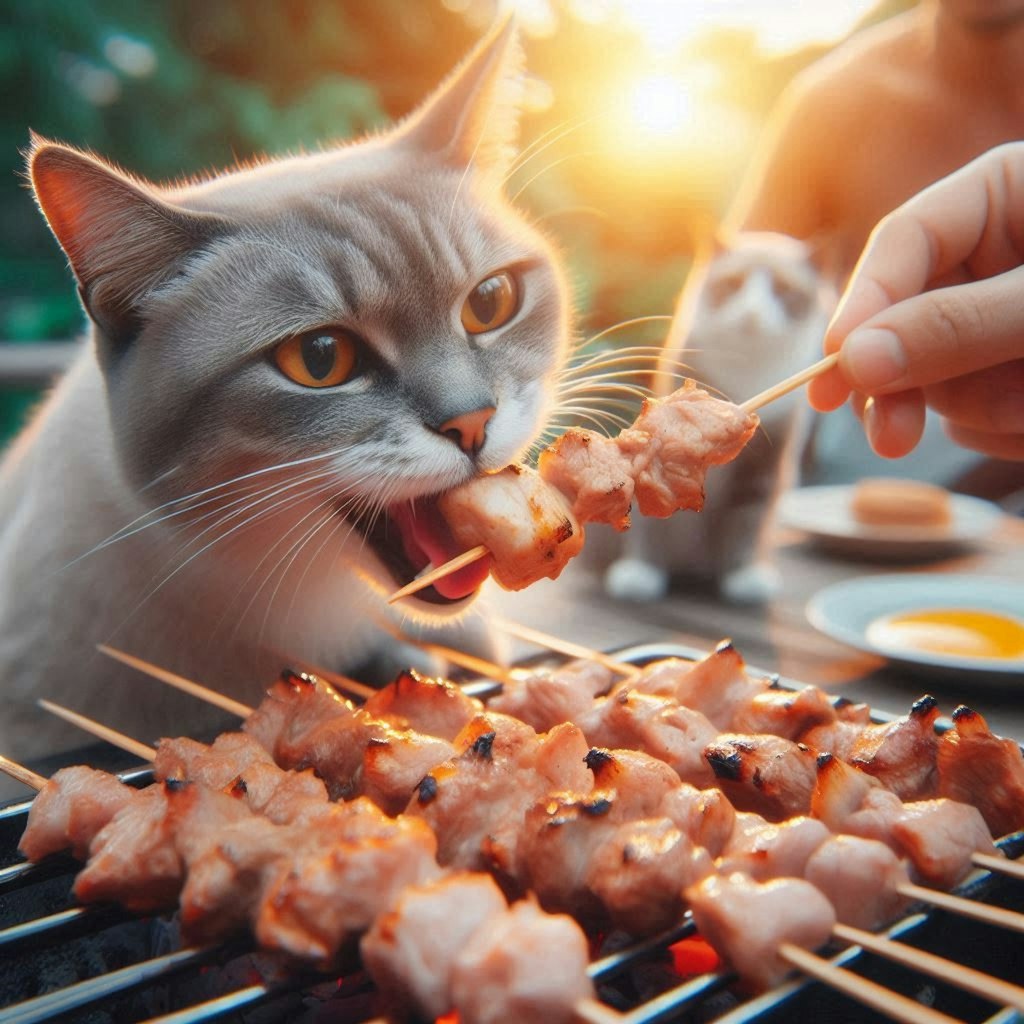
column 747, row 922
column 902, row 754
column 860, row 878
column 71, row 809
column 411, row 949
column 639, row 871
column 764, row 774
column 764, row 850
column 432, row 706
column 525, row 965
column 527, row 525
column 977, row 767
column 705, row 815
column 594, row 473
column 546, row 697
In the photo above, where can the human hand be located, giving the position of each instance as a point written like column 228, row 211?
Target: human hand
column 933, row 315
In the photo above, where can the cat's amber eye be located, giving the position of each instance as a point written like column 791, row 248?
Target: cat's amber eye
column 317, row 359
column 491, row 304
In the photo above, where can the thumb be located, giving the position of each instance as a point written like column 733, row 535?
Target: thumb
column 937, row 335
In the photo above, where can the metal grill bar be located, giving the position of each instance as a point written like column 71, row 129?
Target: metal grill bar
column 53, row 1004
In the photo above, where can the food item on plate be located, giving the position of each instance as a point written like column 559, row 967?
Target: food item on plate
column 891, row 502
column 956, row 632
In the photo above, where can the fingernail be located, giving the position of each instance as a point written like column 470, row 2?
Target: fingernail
column 874, row 422
column 873, row 359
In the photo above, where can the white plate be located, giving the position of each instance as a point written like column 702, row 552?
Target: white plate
column 844, row 611
column 823, row 513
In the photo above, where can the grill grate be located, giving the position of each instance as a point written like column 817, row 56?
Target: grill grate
column 93, row 965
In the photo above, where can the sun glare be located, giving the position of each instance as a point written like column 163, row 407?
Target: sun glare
column 660, row 104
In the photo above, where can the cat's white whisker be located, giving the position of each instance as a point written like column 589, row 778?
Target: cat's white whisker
column 544, row 141
column 623, row 324
column 549, row 167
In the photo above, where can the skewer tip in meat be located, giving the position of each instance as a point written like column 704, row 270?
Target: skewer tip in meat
column 747, row 921
column 527, row 526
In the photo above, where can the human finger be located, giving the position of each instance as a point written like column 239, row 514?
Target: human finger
column 894, row 423
column 828, row 391
column 990, row 401
column 998, row 446
column 940, row 335
column 974, row 216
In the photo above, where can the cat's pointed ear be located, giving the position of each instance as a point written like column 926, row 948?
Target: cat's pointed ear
column 121, row 238
column 472, row 120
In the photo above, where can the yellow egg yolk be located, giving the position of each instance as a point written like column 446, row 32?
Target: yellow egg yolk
column 962, row 632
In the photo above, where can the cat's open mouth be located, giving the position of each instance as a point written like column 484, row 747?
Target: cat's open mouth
column 410, row 535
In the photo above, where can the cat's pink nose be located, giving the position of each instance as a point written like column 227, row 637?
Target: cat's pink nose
column 469, row 429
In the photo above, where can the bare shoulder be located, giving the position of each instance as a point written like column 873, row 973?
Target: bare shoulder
column 884, row 64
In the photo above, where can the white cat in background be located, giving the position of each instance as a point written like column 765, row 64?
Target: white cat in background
column 750, row 315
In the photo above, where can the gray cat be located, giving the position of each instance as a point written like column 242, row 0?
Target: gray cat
column 285, row 361
column 752, row 314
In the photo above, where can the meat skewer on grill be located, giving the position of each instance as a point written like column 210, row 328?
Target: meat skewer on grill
column 645, row 794
column 381, row 945
column 936, row 860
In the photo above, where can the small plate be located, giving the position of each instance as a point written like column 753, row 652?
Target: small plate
column 845, row 611
column 823, row 513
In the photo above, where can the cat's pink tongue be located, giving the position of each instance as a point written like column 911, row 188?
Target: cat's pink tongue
column 425, row 532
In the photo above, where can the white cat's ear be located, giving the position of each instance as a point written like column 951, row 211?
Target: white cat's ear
column 472, row 119
column 121, row 238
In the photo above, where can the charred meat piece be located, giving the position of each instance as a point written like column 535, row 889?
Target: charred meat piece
column 786, row 713
column 673, row 443
column 71, row 809
column 316, row 902
column 764, row 774
column 594, row 473
column 410, row 950
column 546, row 697
column 394, row 764
column 560, row 835
column 639, row 781
column 525, row 965
column 639, row 872
column 527, row 525
column 747, row 922
column 902, row 754
column 764, row 850
column 476, row 801
column 936, row 836
column 977, row 767
column 657, row 726
column 436, row 707
column 860, row 878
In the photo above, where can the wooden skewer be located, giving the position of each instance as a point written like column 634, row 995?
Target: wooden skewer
column 892, row 1004
column 790, row 383
column 997, row 916
column 1000, row 992
column 999, row 865
column 535, row 636
column 21, row 773
column 425, row 580
column 178, row 682
column 482, row 666
column 103, row 732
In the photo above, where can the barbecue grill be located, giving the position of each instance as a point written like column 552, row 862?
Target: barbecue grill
column 60, row 961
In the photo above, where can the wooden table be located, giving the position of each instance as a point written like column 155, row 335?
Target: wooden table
column 778, row 637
